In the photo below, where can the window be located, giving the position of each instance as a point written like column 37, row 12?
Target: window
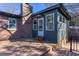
column 62, row 18
column 35, row 24
column 50, row 22
column 12, row 23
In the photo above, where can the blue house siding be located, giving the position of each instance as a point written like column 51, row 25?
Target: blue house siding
column 48, row 35
column 34, row 33
column 52, row 35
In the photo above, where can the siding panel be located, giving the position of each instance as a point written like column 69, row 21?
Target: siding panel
column 52, row 35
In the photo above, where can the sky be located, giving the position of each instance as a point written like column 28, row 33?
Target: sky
column 10, row 8
column 15, row 8
column 73, row 9
column 37, row 7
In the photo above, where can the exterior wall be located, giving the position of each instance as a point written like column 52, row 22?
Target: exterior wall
column 23, row 27
column 52, row 35
column 5, row 34
column 48, row 35
column 17, row 34
column 21, row 31
column 34, row 33
column 3, row 17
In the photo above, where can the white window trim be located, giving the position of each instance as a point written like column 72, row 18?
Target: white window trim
column 42, row 24
column 15, row 25
column 33, row 23
column 46, row 22
column 59, row 14
column 58, row 17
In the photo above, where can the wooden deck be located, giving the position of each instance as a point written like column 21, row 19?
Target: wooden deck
column 24, row 48
column 33, row 48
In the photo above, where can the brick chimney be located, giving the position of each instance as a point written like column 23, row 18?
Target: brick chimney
column 26, row 21
column 26, row 9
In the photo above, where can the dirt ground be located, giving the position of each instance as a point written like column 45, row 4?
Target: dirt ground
column 25, row 48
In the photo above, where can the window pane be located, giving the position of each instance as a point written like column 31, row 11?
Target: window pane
column 61, row 18
column 12, row 23
column 49, row 19
column 49, row 24
column 35, row 24
column 12, row 20
column 40, row 25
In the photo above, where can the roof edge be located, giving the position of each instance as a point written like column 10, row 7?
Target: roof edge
column 58, row 6
column 9, row 14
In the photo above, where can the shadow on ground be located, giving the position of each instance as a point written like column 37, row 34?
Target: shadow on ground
column 22, row 50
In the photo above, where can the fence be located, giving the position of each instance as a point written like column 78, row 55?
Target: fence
column 74, row 33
